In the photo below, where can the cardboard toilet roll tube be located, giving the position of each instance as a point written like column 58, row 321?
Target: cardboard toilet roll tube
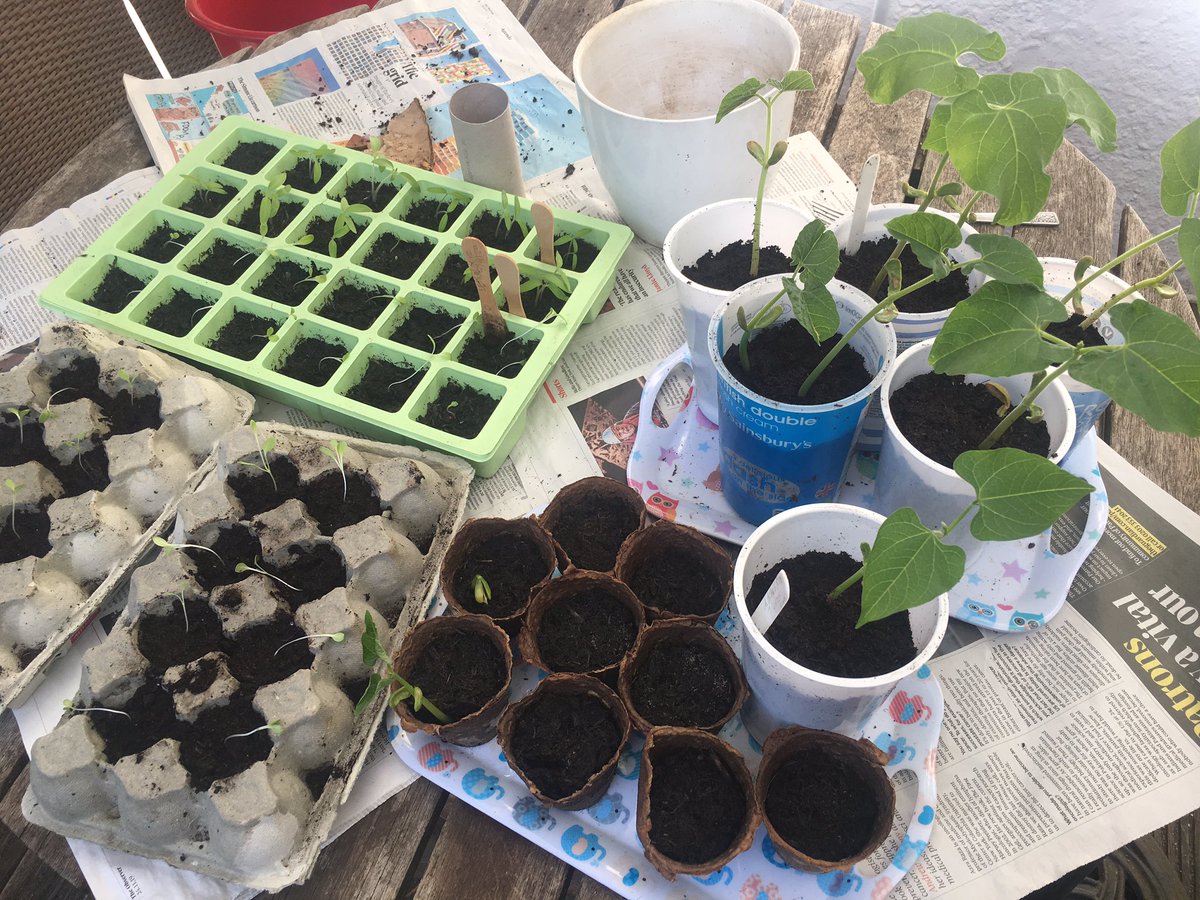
column 486, row 139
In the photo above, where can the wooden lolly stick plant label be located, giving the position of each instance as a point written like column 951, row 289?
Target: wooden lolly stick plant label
column 476, row 256
column 543, row 223
column 510, row 279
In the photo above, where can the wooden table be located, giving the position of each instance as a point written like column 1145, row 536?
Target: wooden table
column 427, row 844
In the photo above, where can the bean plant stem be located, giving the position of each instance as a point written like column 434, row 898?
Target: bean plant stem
column 1132, row 289
column 756, row 238
column 1077, row 291
column 921, row 207
column 1023, row 407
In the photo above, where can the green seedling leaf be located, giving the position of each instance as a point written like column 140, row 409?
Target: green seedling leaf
column 372, row 689
column 908, row 565
column 373, row 651
column 815, row 253
column 1006, row 259
column 795, row 80
column 737, row 96
column 1180, row 159
column 1155, row 373
column 814, row 309
column 929, row 235
column 935, row 134
column 1002, row 136
column 922, row 54
column 997, row 331
column 755, row 150
column 1189, row 247
column 1081, row 268
column 1085, row 107
column 1019, row 494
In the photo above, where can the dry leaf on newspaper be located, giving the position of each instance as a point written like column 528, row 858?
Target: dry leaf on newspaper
column 405, row 140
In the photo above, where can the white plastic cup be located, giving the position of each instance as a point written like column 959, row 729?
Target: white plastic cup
column 712, row 227
column 486, row 138
column 650, row 78
column 783, row 692
column 907, row 477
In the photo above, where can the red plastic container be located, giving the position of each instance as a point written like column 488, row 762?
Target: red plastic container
column 235, row 24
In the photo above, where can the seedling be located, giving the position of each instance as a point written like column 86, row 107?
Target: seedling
column 316, row 158
column 270, row 199
column 1017, row 495
column 415, row 372
column 382, row 169
column 337, row 637
column 270, row 334
column 375, row 654
column 264, row 448
column 47, row 412
column 483, row 590
column 555, row 282
column 19, row 413
column 125, row 376
column 241, row 568
column 167, row 547
column 204, row 186
column 510, row 213
column 68, row 706
column 451, row 205
column 767, row 94
column 345, row 223
column 315, row 276
column 13, row 487
column 336, row 450
column 570, row 242
column 179, row 589
column 272, row 727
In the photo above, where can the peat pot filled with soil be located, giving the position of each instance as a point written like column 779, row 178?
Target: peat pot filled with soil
column 929, row 419
column 790, row 408
column 681, row 673
column 922, row 313
column 584, row 622
column 813, row 667
column 590, row 519
column 696, row 808
column 494, row 565
column 676, row 572
column 463, row 665
column 564, row 739
column 826, row 799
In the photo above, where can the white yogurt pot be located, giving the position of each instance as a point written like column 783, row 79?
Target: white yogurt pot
column 650, row 78
column 712, row 227
column 783, row 692
column 907, row 477
column 1089, row 403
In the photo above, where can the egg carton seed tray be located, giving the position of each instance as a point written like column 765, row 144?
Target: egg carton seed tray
column 381, row 337
column 99, row 438
column 240, row 740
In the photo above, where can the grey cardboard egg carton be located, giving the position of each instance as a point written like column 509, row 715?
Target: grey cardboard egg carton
column 259, row 821
column 94, row 535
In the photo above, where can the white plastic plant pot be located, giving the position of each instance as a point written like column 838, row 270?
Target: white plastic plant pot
column 650, row 78
column 775, row 456
column 907, row 477
column 1089, row 403
column 912, row 328
column 783, row 692
column 712, row 227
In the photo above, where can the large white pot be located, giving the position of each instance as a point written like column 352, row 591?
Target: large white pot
column 907, row 477
column 712, row 227
column 1089, row 403
column 783, row 692
column 650, row 78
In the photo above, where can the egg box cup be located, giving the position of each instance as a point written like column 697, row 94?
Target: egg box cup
column 240, row 317
column 215, row 726
column 99, row 438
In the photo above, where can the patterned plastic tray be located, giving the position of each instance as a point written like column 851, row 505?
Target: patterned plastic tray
column 193, row 256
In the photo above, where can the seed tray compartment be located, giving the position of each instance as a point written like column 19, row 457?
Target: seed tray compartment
column 341, row 167
column 201, row 658
column 96, row 531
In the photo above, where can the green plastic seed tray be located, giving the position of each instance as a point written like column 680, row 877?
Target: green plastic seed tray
column 386, row 336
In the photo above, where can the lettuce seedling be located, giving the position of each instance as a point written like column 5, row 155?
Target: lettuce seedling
column 768, row 95
column 264, row 448
column 337, row 637
column 68, row 706
column 19, row 413
column 336, row 450
column 167, row 547
column 375, row 654
column 13, row 487
column 272, row 727
column 241, row 568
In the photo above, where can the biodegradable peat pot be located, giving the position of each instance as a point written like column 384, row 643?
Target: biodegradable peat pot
column 682, row 673
column 459, row 647
column 584, row 622
column 709, row 811
column 713, row 227
column 676, row 572
column 514, row 556
column 783, row 692
column 564, row 739
column 650, row 78
column 589, row 519
column 1089, row 403
column 826, row 799
column 907, row 477
column 778, row 455
column 911, row 327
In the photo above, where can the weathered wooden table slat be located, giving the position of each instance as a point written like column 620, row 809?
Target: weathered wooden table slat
column 426, row 844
